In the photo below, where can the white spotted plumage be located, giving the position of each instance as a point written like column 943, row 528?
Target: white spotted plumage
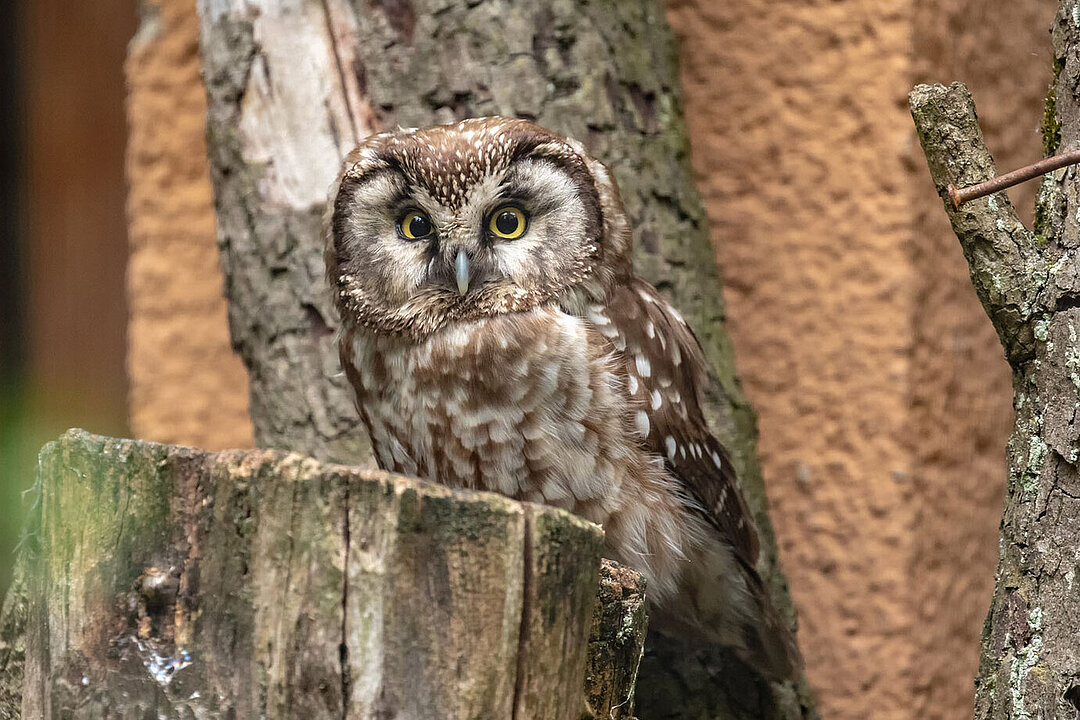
column 544, row 369
column 544, row 434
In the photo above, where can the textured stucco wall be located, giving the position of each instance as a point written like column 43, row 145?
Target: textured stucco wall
column 797, row 127
column 187, row 386
column 883, row 399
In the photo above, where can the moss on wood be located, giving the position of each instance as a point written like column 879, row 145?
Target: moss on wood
column 168, row 581
column 1029, row 285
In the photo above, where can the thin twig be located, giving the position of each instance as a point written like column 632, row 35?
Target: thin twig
column 962, row 195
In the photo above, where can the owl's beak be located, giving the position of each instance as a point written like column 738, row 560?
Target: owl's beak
column 461, row 265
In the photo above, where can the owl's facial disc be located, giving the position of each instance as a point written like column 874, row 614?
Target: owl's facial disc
column 460, row 222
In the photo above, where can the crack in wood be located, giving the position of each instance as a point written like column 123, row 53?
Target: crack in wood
column 526, row 610
column 343, row 653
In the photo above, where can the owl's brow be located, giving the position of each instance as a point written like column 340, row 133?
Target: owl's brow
column 517, row 184
column 358, row 182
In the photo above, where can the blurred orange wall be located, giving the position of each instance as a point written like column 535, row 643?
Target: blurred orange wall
column 883, row 396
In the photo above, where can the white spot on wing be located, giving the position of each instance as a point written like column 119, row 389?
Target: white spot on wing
column 642, row 422
column 669, row 445
column 631, row 384
column 597, row 316
column 655, row 400
column 644, row 368
column 716, row 460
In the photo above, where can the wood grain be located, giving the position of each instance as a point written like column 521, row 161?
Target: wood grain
column 170, row 581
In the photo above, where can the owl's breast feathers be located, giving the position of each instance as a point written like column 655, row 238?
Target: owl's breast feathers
column 530, row 405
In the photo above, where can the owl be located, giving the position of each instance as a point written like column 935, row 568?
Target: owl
column 497, row 339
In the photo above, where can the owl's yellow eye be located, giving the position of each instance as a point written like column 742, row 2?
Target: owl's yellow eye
column 415, row 225
column 508, row 222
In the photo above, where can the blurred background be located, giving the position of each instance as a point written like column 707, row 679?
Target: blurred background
column 884, row 402
column 63, row 233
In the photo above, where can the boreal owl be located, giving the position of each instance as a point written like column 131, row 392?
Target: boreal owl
column 497, row 338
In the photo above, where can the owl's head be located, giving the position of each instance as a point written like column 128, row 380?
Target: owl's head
column 458, row 222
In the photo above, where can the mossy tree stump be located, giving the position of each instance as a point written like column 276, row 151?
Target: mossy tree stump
column 162, row 581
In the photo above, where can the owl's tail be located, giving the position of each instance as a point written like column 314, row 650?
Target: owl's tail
column 722, row 600
column 768, row 643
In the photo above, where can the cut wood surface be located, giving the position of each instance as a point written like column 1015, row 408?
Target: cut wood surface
column 170, row 582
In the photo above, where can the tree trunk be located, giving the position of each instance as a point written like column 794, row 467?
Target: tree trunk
column 171, row 582
column 1029, row 284
column 604, row 71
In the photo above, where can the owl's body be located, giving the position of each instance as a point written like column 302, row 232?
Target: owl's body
column 497, row 339
column 529, row 405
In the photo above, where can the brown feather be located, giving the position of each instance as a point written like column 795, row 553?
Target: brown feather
column 653, row 337
column 665, row 371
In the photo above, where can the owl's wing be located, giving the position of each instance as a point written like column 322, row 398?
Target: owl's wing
column 666, row 371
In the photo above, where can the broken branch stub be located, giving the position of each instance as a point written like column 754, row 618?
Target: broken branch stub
column 1000, row 251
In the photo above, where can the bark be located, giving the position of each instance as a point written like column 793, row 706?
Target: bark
column 616, row 641
column 604, row 71
column 13, row 613
column 1029, row 284
column 171, row 582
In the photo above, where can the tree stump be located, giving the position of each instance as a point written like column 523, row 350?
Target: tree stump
column 162, row 581
column 616, row 642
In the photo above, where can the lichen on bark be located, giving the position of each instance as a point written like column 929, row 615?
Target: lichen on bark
column 1029, row 284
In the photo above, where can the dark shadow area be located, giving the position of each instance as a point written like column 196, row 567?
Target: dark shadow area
column 12, row 309
column 676, row 680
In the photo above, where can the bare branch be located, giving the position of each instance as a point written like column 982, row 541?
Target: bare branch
column 1003, row 254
